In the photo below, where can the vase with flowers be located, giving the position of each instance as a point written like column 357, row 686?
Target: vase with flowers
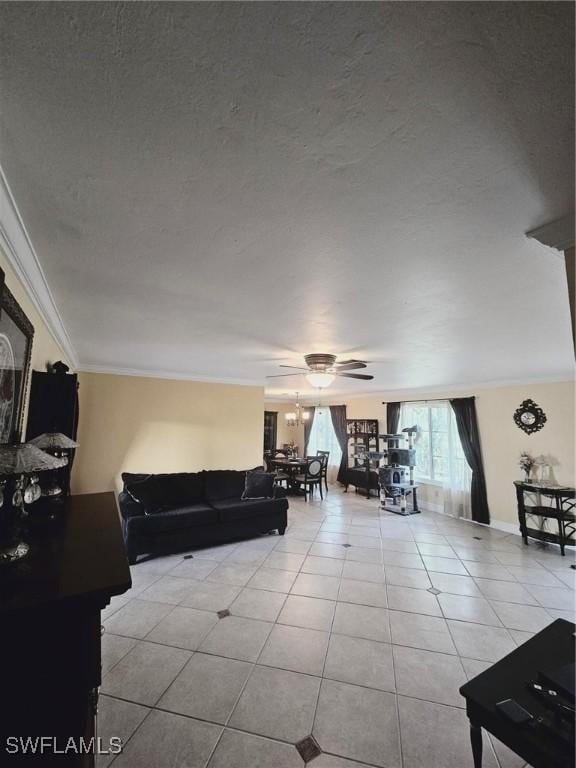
column 526, row 463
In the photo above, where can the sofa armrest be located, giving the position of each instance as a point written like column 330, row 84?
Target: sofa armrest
column 128, row 507
column 278, row 492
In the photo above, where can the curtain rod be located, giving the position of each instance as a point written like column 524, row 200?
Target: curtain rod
column 428, row 400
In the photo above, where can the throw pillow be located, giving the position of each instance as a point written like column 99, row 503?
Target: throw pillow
column 149, row 494
column 131, row 478
column 226, row 483
column 259, row 485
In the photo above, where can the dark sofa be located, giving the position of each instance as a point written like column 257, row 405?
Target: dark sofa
column 193, row 509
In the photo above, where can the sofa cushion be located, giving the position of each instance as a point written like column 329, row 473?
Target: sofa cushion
column 182, row 488
column 181, row 518
column 131, row 478
column 168, row 491
column 235, row 509
column 259, row 485
column 129, row 507
column 224, row 484
column 149, row 494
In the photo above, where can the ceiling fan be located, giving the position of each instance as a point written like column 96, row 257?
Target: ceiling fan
column 323, row 368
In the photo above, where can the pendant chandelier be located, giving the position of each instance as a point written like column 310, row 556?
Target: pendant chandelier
column 297, row 417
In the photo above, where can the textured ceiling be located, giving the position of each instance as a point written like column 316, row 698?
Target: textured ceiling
column 213, row 189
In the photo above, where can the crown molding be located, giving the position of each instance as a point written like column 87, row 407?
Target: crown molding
column 148, row 373
column 21, row 255
column 441, row 389
column 472, row 388
column 557, row 234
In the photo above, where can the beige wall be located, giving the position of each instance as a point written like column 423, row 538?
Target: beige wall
column 366, row 408
column 141, row 424
column 45, row 349
column 136, row 424
column 150, row 425
column 502, row 441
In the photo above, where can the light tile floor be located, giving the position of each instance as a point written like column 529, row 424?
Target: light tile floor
column 364, row 646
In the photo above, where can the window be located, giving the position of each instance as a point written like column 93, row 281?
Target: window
column 323, row 438
column 439, row 454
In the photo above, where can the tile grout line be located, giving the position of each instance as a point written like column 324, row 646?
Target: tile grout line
column 145, row 638
column 155, row 708
column 322, row 678
column 224, row 728
column 311, row 543
column 255, row 663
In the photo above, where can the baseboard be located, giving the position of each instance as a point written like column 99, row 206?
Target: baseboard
column 430, row 506
column 499, row 525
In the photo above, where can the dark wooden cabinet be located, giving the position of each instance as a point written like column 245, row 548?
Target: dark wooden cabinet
column 363, row 439
column 54, row 407
column 50, row 604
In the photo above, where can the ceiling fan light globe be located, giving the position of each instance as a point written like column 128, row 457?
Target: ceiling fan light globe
column 320, row 380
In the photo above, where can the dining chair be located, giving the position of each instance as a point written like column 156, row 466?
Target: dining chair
column 325, row 455
column 268, row 456
column 312, row 476
column 281, row 477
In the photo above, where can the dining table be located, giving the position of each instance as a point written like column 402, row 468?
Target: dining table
column 292, row 467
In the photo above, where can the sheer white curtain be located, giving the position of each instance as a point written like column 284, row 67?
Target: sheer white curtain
column 458, row 481
column 323, row 438
column 439, row 456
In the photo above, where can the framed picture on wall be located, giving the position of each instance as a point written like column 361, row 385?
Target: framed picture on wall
column 16, row 334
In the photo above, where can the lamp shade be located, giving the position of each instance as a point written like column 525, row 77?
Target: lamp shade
column 25, row 459
column 53, row 441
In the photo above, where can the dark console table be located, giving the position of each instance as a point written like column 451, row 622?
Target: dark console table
column 363, row 477
column 554, row 503
column 50, row 605
column 541, row 742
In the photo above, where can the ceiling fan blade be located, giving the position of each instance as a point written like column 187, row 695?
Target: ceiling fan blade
column 352, row 360
column 281, row 375
column 349, row 366
column 363, row 376
column 296, row 368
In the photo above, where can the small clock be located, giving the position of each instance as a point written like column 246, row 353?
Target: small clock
column 529, row 417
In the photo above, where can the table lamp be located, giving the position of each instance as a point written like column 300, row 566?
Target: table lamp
column 53, row 442
column 18, row 462
column 59, row 445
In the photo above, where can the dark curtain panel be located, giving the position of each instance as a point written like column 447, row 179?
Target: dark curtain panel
column 465, row 412
column 338, row 414
column 270, row 430
column 308, row 428
column 392, row 418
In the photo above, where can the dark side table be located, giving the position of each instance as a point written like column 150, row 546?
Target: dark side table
column 538, row 745
column 554, row 503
